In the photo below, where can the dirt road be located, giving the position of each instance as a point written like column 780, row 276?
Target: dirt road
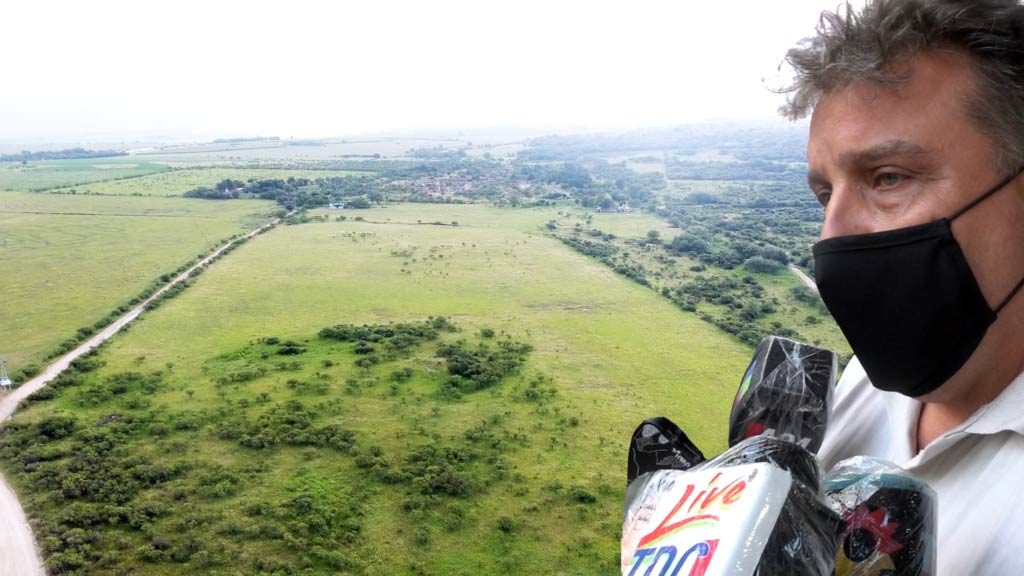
column 18, row 553
column 806, row 279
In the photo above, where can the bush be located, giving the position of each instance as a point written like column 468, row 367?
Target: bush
column 402, row 375
column 762, row 265
column 291, row 349
column 582, row 495
column 483, row 366
column 400, row 337
column 506, row 525
column 26, row 373
column 689, row 244
column 57, row 427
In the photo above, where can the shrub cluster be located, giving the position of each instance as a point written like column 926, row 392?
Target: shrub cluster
column 481, row 366
column 398, row 336
column 292, row 423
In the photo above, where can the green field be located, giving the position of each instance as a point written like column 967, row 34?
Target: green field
column 538, row 459
column 48, row 174
column 808, row 318
column 177, row 182
column 69, row 260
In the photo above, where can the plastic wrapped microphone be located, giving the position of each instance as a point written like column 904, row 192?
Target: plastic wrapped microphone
column 757, row 509
column 889, row 519
column 785, row 393
column 658, row 444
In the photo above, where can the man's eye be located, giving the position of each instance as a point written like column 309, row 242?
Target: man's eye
column 888, row 179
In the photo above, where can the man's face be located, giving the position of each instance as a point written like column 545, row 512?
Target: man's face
column 882, row 157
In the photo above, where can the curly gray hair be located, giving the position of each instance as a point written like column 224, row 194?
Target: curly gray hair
column 851, row 46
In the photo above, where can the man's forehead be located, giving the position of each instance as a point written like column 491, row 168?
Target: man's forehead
column 923, row 73
column 931, row 80
column 868, row 120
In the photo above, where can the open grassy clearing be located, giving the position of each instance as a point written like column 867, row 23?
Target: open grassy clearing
column 512, row 278
column 543, row 470
column 497, row 150
column 48, row 174
column 790, row 306
column 69, row 260
column 647, row 167
column 633, row 226
column 177, row 182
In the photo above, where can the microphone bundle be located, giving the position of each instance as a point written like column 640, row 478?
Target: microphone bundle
column 761, row 507
column 889, row 519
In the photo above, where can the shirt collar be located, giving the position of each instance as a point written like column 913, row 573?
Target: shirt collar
column 903, row 412
column 1005, row 413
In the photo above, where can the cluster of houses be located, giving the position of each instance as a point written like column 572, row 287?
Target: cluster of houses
column 452, row 185
column 621, row 208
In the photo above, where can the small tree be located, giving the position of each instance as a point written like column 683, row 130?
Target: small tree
column 762, row 265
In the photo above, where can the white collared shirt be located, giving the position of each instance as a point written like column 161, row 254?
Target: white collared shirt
column 976, row 468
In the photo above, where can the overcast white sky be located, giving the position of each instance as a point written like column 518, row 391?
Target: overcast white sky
column 317, row 68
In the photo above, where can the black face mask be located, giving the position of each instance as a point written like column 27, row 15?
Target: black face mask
column 906, row 301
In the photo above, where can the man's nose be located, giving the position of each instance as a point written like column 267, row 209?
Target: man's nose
column 842, row 213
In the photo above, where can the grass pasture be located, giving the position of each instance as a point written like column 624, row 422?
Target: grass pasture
column 542, row 453
column 43, row 175
column 69, row 260
column 633, row 226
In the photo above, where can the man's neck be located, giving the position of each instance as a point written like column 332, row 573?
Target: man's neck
column 998, row 360
column 936, row 419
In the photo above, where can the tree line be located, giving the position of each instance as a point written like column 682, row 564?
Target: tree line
column 66, row 154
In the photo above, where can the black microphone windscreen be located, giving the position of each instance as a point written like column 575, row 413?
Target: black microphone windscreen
column 658, row 444
column 785, row 393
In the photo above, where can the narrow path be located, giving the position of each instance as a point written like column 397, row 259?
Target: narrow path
column 806, row 279
column 18, row 553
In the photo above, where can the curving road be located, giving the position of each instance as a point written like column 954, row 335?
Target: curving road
column 18, row 553
column 804, row 277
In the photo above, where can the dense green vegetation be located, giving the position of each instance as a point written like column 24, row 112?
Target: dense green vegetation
column 750, row 295
column 292, row 192
column 451, row 178
column 178, row 181
column 111, row 490
column 66, row 154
